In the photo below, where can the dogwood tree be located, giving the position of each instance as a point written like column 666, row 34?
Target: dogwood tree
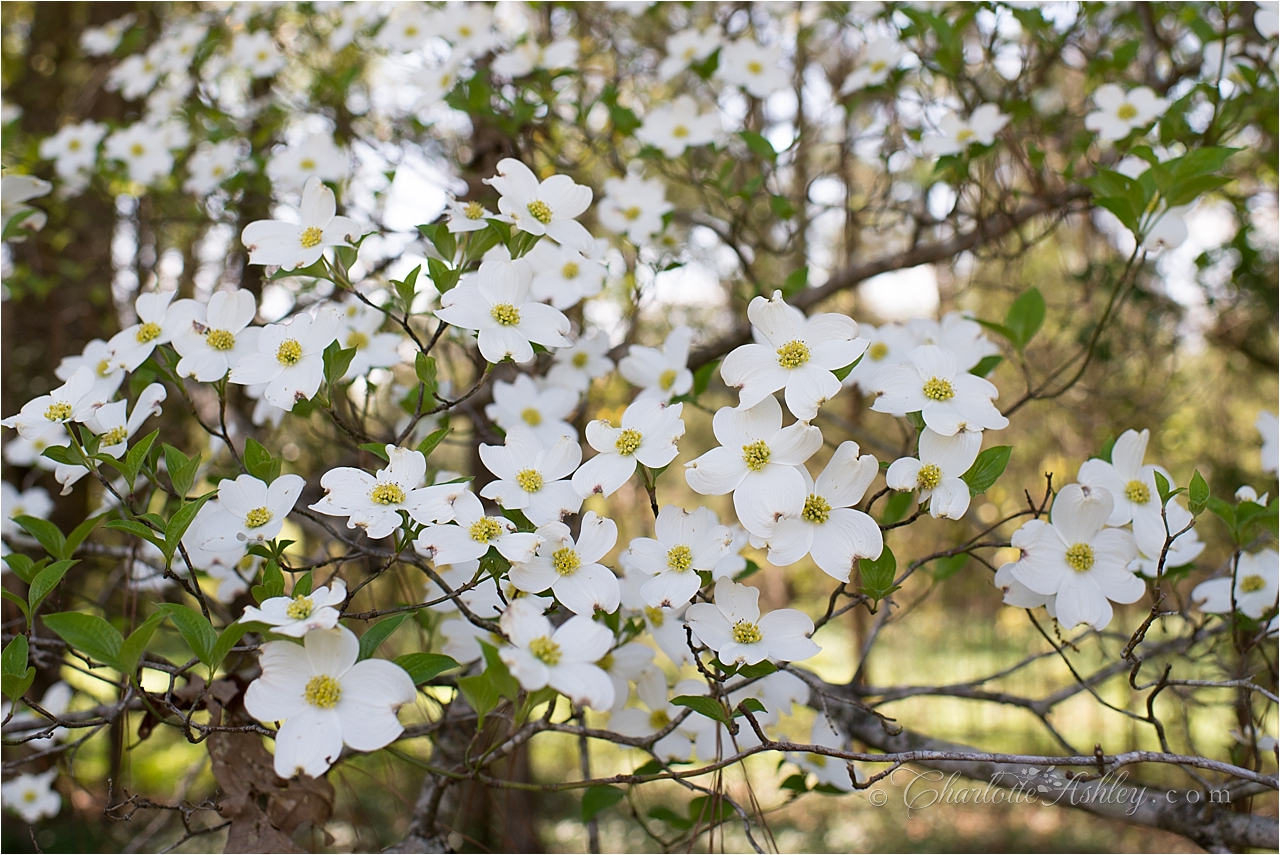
column 596, row 325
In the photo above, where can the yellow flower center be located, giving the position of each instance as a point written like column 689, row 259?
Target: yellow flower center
column 387, row 494
column 307, row 163
column 540, row 211
column 484, row 530
column 1252, row 584
column 580, row 359
column 566, row 561
column 257, row 518
column 679, row 558
column 411, row 31
column 606, row 662
column 658, row 719
column 667, row 379
column 929, row 476
column 877, row 65
column 115, row 436
column 531, row 416
column 937, row 389
column 1126, row 111
column 964, row 135
column 546, row 650
column 1137, row 492
column 300, row 607
column 58, row 411
column 30, row 796
column 289, row 352
column 755, row 67
column 104, row 367
column 505, row 314
column 632, row 213
column 756, row 455
column 819, row 760
column 1080, row 557
column 220, row 339
column 654, row 615
column 628, row 441
column 816, row 509
column 74, row 145
column 793, row 354
column 746, row 632
column 530, row 480
column 464, row 31
column 358, row 340
column 878, row 351
column 473, row 210
column 323, row 692
column 679, row 132
column 147, row 332
column 570, row 270
column 137, row 149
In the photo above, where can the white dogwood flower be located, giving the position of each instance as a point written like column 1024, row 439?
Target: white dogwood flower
column 472, row 535
column 115, row 426
column 134, row 344
column 687, row 47
column 571, row 569
column 326, row 699
column 543, row 208
column 563, row 276
column 1133, row 487
column 733, row 627
column 801, row 355
column 1257, row 580
column 374, row 502
column 674, row 127
column 543, row 410
column 317, row 156
column 1269, row 427
column 531, row 477
column 1119, row 113
column 295, row 245
column 212, row 338
column 359, row 331
column 881, row 59
column 47, row 415
column 563, row 657
column 686, row 542
column 74, row 148
column 950, row 400
column 831, row 771
column 662, row 373
column 756, row 68
column 648, row 436
column 497, row 304
column 468, row 216
column 634, row 207
column 300, row 614
column 32, row 797
column 828, row 527
column 251, row 511
column 1079, row 561
column 575, row 366
column 936, row 472
column 290, row 358
column 758, row 461
column 956, row 134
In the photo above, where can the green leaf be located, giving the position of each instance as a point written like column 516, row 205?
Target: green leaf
column 303, row 585
column 406, row 288
column 89, row 634
column 17, row 601
column 23, row 566
column 377, row 449
column 999, row 329
column 79, row 533
column 1025, row 317
column 44, row 583
column 896, row 507
column 480, row 693
column 13, row 662
column 424, row 666
column 752, row 704
column 137, row 456
column 15, row 687
column 986, row 365
column 272, row 583
column 194, row 628
column 48, row 534
column 842, row 373
column 782, row 207
column 442, row 275
column 700, row 813
column 259, row 462
column 987, row 469
column 182, row 469
column 704, row 706
column 337, row 359
column 378, row 633
column 432, row 439
column 131, row 650
column 597, row 798
column 796, row 783
column 506, row 685
column 945, row 568
column 670, row 817
column 138, row 530
column 653, row 767
column 227, row 640
column 878, row 574
column 759, row 146
column 1197, row 494
column 1162, row 487
column 763, row 668
column 702, row 377
column 180, row 522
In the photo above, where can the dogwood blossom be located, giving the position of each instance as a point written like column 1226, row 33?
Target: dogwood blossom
column 73, row 401
column 1257, row 579
column 626, row 664
column 250, row 511
column 316, row 156
column 543, row 208
column 145, row 151
column 300, row 614
column 634, row 207
column 74, row 148
column 575, row 366
column 211, row 164
column 959, row 335
column 32, row 502
column 563, row 276
column 687, row 47
column 115, row 426
column 758, row 461
column 469, row 27
column 358, row 331
column 292, row 245
column 652, row 690
column 936, row 472
column 956, row 134
column 134, row 344
column 827, row 526
column 1269, row 427
column 756, row 68
column 290, row 358
column 542, row 409
column 647, row 437
column 1078, row 560
column 662, row 373
column 99, row 358
column 14, row 191
column 733, row 627
column 1119, row 113
column 570, row 569
column 1132, row 485
column 563, row 658
column 32, row 797
column 530, row 56
column 888, row 344
column 468, row 216
column 326, row 699
column 213, row 338
column 950, row 400
column 801, row 356
column 257, row 54
column 880, row 59
column 831, row 771
column 472, row 535
column 674, row 127
column 686, row 542
column 374, row 502
column 531, row 475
